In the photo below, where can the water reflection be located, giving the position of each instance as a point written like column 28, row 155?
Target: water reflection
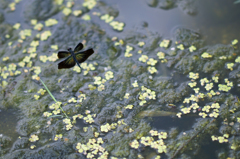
column 218, row 20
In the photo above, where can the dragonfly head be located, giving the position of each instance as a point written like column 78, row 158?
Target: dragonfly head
column 69, row 49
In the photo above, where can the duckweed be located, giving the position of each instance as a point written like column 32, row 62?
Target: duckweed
column 192, row 48
column 143, row 58
column 127, row 52
column 107, row 18
column 89, row 4
column 38, row 26
column 50, row 22
column 67, row 11
column 16, row 26
column 45, row 35
column 206, row 55
column 77, row 12
column 86, row 17
column 117, row 25
column 116, row 122
column 33, row 138
column 141, row 43
column 165, row 43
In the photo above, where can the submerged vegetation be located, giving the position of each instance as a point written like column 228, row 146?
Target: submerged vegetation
column 110, row 102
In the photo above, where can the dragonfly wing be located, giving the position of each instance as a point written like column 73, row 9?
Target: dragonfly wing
column 78, row 47
column 82, row 56
column 62, row 54
column 67, row 63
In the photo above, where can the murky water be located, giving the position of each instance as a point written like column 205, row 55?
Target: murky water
column 207, row 25
column 8, row 122
column 217, row 21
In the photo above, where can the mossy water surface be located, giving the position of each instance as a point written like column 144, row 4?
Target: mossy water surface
column 129, row 96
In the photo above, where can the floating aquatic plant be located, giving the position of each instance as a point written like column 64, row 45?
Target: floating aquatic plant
column 135, row 84
column 165, row 43
column 157, row 144
column 126, row 95
column 58, row 137
column 33, row 138
column 230, row 66
column 50, row 22
column 129, row 107
column 86, row 17
column 25, row 33
column 181, row 47
column 89, row 4
column 5, row 58
column 152, row 70
column 77, row 12
column 109, row 75
column 192, row 48
column 107, row 18
column 117, row 25
column 67, row 11
column 143, row 58
column 206, row 55
column 45, row 35
column 91, row 146
column 234, row 42
column 127, row 52
column 152, row 62
column 141, row 43
column 16, row 26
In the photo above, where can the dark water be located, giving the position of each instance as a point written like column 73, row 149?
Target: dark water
column 217, row 20
column 8, row 122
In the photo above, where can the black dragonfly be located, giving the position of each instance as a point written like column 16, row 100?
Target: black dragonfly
column 74, row 56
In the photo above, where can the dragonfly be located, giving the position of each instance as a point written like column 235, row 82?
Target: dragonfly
column 74, row 56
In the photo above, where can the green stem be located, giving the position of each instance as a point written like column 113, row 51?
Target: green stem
column 53, row 98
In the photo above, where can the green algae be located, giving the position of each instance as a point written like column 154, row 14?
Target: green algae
column 115, row 75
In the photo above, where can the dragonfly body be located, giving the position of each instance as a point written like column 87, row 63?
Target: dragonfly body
column 74, row 56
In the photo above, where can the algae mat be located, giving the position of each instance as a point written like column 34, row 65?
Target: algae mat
column 154, row 88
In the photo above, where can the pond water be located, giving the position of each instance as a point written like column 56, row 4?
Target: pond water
column 217, row 21
column 162, row 82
